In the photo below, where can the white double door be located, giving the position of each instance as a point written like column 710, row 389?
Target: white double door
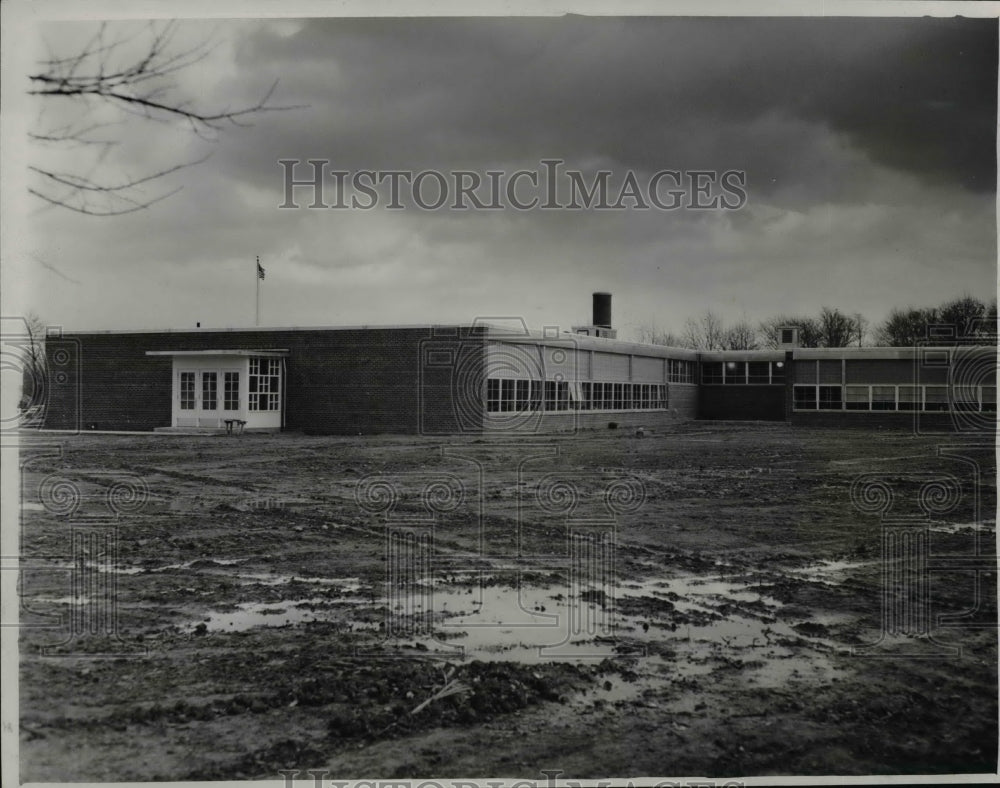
column 206, row 397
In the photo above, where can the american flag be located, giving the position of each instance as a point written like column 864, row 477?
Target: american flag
column 260, row 271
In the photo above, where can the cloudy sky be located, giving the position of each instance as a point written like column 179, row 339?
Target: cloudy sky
column 868, row 147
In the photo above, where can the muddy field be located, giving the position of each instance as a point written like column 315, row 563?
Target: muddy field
column 706, row 600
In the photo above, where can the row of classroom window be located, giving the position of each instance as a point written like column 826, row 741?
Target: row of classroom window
column 518, row 395
column 742, row 372
column 926, row 398
column 264, row 388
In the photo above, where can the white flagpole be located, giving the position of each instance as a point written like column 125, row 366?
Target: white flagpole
column 256, row 276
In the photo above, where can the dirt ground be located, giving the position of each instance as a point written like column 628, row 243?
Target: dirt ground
column 224, row 607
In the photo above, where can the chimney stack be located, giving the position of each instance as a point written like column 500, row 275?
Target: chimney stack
column 602, row 310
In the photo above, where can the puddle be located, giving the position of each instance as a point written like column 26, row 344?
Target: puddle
column 699, row 591
column 500, row 623
column 350, row 585
column 256, row 614
column 694, row 627
column 956, row 528
column 62, row 600
column 249, row 615
column 98, row 566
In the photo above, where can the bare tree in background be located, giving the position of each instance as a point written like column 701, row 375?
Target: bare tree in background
column 34, row 367
column 741, row 336
column 861, row 328
column 836, row 328
column 704, row 333
column 651, row 334
column 809, row 332
column 124, row 74
column 967, row 317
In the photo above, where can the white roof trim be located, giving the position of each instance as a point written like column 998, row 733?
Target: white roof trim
column 267, row 352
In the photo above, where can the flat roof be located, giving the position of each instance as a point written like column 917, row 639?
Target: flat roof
column 234, row 352
column 244, row 329
column 506, row 330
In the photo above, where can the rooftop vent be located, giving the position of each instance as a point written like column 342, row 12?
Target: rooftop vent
column 601, row 320
column 788, row 337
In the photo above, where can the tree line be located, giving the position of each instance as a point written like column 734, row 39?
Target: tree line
column 964, row 318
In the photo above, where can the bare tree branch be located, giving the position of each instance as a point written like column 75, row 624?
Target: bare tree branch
column 103, row 75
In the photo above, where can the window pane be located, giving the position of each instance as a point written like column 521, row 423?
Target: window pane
column 777, row 371
column 759, row 371
column 935, row 398
column 492, row 395
column 990, row 399
column 805, row 397
column 209, row 391
column 883, row 397
column 711, row 372
column 187, row 391
column 829, row 397
column 523, row 391
column 857, row 398
column 231, row 391
column 736, row 372
column 966, row 398
column 562, row 395
column 506, row 395
column 909, row 398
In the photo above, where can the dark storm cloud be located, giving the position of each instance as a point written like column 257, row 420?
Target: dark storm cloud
column 913, row 94
column 869, row 148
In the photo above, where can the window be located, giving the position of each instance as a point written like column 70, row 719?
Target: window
column 935, row 398
column 550, row 395
column 966, row 398
column 787, row 336
column 898, row 398
column 556, row 395
column 492, row 395
column 759, row 372
column 231, row 391
column 590, row 395
column 187, row 391
column 209, row 390
column 679, row 371
column 830, row 398
column 777, row 371
column 909, row 398
column 856, row 397
column 805, row 397
column 711, row 372
column 522, row 390
column 265, row 383
column 989, row 399
column 883, row 397
column 736, row 372
column 506, row 395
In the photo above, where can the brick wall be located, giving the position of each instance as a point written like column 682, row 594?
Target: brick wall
column 542, row 423
column 745, row 402
column 881, row 420
column 338, row 381
column 683, row 399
